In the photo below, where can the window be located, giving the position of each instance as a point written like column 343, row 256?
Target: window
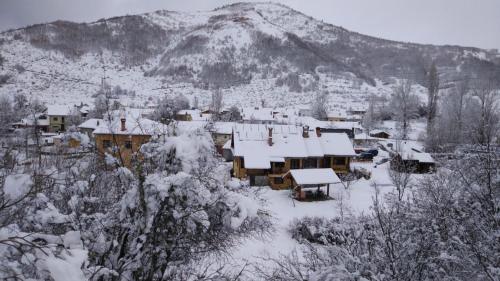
column 340, row 161
column 128, row 144
column 279, row 165
column 242, row 162
column 327, row 162
column 62, row 119
column 54, row 118
column 310, row 163
column 294, row 163
column 106, row 143
column 278, row 180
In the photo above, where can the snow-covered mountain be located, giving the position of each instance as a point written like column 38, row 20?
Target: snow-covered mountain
column 254, row 50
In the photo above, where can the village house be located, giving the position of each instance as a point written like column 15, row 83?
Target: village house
column 40, row 121
column 265, row 153
column 58, row 117
column 259, row 115
column 89, row 126
column 359, row 109
column 406, row 158
column 363, row 140
column 337, row 115
column 379, row 134
column 221, row 134
column 192, row 115
column 122, row 137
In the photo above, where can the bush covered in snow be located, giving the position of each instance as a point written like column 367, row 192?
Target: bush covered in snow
column 170, row 217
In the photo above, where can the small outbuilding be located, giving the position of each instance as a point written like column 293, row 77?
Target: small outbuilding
column 379, row 134
column 306, row 183
column 413, row 160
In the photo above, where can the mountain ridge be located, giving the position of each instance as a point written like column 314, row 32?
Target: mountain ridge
column 236, row 45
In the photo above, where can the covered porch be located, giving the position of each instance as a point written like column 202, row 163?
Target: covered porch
column 306, row 183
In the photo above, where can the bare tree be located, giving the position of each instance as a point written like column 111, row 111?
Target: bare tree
column 405, row 105
column 402, row 180
column 432, row 95
column 216, row 103
column 6, row 113
column 458, row 102
column 432, row 104
column 486, row 126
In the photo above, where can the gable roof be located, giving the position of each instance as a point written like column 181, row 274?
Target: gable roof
column 133, row 126
column 410, row 153
column 91, row 123
column 251, row 142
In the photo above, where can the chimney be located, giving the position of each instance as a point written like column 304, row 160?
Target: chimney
column 318, row 132
column 270, row 137
column 305, row 131
column 123, row 124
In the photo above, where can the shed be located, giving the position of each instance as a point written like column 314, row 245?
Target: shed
column 312, row 178
column 380, row 134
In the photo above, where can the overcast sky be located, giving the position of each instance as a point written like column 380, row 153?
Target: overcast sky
column 456, row 22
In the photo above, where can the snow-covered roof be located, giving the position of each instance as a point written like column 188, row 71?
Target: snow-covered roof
column 337, row 113
column 91, row 123
column 364, row 136
column 378, row 131
column 131, row 112
column 59, row 110
column 190, row 126
column 225, row 128
column 408, row 152
column 257, row 113
column 337, row 144
column 314, row 176
column 133, row 126
column 251, row 141
column 218, row 127
column 85, row 109
column 41, row 120
column 314, row 123
column 196, row 114
column 346, row 125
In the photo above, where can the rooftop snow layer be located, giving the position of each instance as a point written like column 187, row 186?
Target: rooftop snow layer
column 91, row 123
column 133, row 126
column 251, row 140
column 314, row 176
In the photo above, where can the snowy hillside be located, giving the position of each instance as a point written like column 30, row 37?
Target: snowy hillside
column 254, row 51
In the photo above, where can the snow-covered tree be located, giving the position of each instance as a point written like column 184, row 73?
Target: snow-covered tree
column 168, row 107
column 319, row 106
column 445, row 230
column 165, row 218
column 370, row 118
